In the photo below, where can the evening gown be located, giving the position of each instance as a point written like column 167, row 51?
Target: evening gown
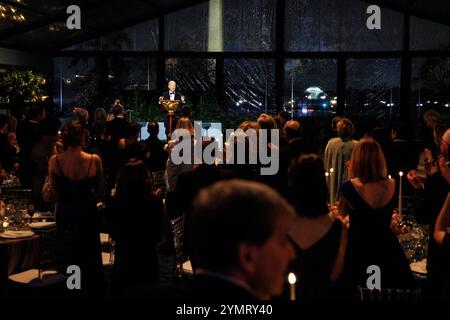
column 76, row 212
column 313, row 266
column 372, row 242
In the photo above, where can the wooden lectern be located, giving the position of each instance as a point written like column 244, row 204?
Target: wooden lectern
column 171, row 107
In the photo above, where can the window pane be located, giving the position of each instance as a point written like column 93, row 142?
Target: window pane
column 249, row 25
column 141, row 37
column 373, row 89
column 132, row 73
column 428, row 35
column 249, row 88
column 75, row 82
column 187, row 29
column 329, row 25
column 196, row 80
column 430, row 85
column 312, row 86
column 222, row 25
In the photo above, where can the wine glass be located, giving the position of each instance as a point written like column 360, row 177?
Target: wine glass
column 31, row 212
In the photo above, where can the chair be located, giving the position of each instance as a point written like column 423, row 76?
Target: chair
column 159, row 181
column 17, row 195
column 108, row 251
column 183, row 267
column 54, row 256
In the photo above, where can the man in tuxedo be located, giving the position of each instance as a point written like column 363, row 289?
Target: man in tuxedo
column 171, row 94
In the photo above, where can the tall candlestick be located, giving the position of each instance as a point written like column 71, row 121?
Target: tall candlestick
column 400, row 192
column 292, row 279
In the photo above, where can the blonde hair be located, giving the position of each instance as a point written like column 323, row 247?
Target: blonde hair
column 368, row 162
column 185, row 123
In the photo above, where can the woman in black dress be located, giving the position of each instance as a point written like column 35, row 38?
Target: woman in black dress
column 137, row 227
column 319, row 240
column 369, row 200
column 77, row 177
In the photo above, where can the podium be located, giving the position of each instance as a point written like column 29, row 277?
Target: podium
column 170, row 107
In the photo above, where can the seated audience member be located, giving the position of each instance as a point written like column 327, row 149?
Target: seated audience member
column 137, row 227
column 239, row 242
column 320, row 241
column 368, row 199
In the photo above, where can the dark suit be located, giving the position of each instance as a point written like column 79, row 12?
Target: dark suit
column 201, row 288
column 294, row 148
column 166, row 96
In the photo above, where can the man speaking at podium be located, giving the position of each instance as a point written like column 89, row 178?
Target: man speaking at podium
column 171, row 94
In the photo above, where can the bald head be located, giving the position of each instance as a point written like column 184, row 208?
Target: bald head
column 292, row 130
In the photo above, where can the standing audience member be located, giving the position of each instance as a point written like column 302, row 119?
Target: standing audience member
column 368, row 199
column 40, row 155
column 337, row 152
column 428, row 199
column 77, row 177
column 28, row 134
column 7, row 152
column 157, row 156
column 136, row 234
column 320, row 241
column 239, row 242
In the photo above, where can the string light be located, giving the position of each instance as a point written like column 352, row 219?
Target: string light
column 8, row 12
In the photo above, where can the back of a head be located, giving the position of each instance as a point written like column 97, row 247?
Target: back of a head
column 73, row 134
column 230, row 213
column 133, row 182
column 293, row 129
column 185, row 123
column 345, row 129
column 368, row 162
column 266, row 122
column 153, row 129
column 50, row 126
column 81, row 114
column 245, row 125
column 100, row 115
column 133, row 130
column 334, row 122
column 35, row 112
column 284, row 116
column 118, row 110
column 431, row 117
column 308, row 190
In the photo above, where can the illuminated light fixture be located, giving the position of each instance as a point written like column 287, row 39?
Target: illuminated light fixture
column 435, row 102
column 333, row 101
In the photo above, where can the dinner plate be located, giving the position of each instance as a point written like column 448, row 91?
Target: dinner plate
column 41, row 225
column 11, row 234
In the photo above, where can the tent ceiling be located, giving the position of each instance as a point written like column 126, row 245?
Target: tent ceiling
column 37, row 25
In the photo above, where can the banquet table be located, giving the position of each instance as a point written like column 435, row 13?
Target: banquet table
column 17, row 255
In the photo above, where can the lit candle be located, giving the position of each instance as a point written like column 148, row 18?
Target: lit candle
column 5, row 224
column 292, row 279
column 400, row 192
